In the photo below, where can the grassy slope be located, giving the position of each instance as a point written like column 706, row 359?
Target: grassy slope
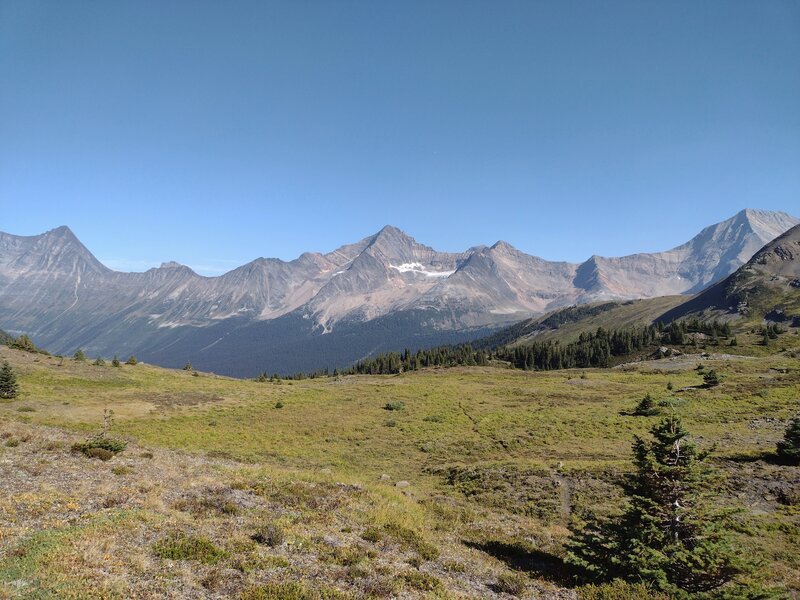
column 547, row 445
column 624, row 315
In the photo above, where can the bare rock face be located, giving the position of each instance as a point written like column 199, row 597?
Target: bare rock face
column 713, row 254
column 765, row 286
column 385, row 289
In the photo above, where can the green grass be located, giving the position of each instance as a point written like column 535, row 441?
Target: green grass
column 481, row 414
column 624, row 316
column 39, row 560
column 188, row 547
column 487, row 442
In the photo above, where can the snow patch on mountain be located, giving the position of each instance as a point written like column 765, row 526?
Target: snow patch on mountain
column 419, row 268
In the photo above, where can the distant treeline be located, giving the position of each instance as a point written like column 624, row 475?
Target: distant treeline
column 561, row 317
column 390, row 363
column 677, row 331
column 591, row 349
column 23, row 342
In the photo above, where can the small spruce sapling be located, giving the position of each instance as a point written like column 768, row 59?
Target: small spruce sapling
column 670, row 535
column 789, row 447
column 8, row 382
column 711, row 378
column 646, row 407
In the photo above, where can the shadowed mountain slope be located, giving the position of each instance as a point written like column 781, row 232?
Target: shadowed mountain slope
column 768, row 285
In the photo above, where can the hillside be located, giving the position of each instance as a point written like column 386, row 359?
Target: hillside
column 466, row 485
column 766, row 287
column 566, row 324
column 384, row 292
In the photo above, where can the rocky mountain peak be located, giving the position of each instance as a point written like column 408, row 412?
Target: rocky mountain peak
column 385, row 276
column 62, row 231
column 392, row 237
column 767, row 225
column 503, row 246
column 171, row 265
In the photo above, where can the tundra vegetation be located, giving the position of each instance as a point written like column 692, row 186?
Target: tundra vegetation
column 490, row 481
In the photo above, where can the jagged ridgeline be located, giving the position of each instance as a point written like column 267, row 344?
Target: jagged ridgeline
column 383, row 293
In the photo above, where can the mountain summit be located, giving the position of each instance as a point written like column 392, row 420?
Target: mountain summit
column 768, row 285
column 385, row 291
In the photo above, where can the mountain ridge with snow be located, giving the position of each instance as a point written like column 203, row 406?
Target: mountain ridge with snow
column 54, row 289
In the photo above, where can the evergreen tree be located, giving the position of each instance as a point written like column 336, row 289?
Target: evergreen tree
column 8, row 382
column 132, row 360
column 646, row 406
column 79, row 355
column 188, row 367
column 99, row 362
column 711, row 378
column 25, row 343
column 789, row 446
column 115, row 361
column 668, row 536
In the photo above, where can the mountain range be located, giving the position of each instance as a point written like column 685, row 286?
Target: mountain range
column 766, row 287
column 384, row 292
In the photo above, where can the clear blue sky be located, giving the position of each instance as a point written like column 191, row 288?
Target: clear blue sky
column 215, row 132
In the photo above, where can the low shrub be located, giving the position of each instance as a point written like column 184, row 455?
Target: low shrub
column 455, row 567
column 271, row 535
column 434, row 419
column 408, row 538
column 290, row 590
column 103, row 448
column 100, row 453
column 186, row 547
column 206, row 501
column 350, row 555
column 619, row 590
column 396, row 405
column 424, row 582
column 512, row 583
column 372, row 534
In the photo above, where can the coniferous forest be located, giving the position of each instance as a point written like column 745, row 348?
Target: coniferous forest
column 592, row 349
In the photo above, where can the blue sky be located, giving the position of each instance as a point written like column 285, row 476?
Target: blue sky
column 215, row 132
